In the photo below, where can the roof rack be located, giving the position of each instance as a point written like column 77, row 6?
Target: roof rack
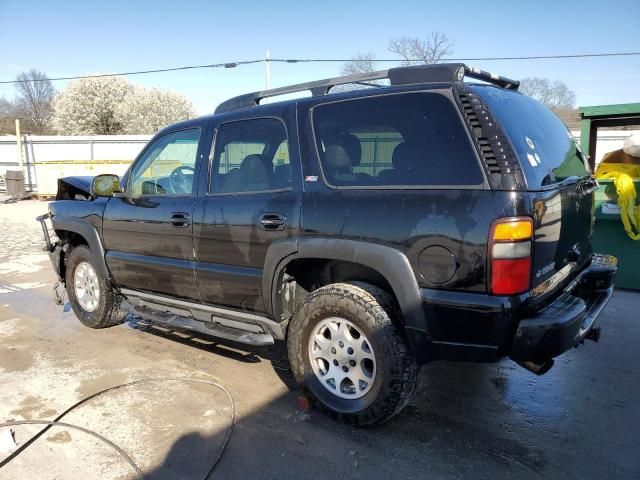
column 440, row 72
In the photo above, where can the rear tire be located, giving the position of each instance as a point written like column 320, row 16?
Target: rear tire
column 92, row 297
column 345, row 331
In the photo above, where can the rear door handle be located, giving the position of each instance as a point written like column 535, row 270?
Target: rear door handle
column 180, row 219
column 273, row 221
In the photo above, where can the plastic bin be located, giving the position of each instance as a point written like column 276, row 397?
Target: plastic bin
column 15, row 182
column 610, row 237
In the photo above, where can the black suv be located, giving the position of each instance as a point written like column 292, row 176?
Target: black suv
column 373, row 230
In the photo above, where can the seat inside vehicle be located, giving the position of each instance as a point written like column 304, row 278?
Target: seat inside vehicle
column 338, row 162
column 404, row 159
column 253, row 175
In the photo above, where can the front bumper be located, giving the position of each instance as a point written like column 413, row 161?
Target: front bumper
column 569, row 319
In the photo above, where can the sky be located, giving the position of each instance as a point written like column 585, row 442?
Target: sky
column 67, row 38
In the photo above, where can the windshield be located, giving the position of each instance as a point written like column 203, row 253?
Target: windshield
column 547, row 151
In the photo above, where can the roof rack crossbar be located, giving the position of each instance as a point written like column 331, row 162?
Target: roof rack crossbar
column 499, row 80
column 441, row 72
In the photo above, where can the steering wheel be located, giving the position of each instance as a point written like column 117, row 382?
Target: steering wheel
column 178, row 178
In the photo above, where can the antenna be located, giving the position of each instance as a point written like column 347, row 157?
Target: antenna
column 267, row 69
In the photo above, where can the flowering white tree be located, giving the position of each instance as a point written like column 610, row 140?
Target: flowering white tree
column 112, row 105
column 146, row 110
column 88, row 106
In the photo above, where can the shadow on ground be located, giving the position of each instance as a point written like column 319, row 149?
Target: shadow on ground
column 581, row 420
column 276, row 355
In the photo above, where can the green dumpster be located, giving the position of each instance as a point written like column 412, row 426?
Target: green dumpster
column 609, row 235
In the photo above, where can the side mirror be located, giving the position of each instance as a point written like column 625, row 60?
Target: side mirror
column 105, row 185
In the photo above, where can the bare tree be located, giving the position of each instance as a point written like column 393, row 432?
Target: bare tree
column 35, row 93
column 416, row 51
column 412, row 51
column 360, row 63
column 554, row 94
column 7, row 116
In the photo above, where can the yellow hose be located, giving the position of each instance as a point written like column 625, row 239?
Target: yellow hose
column 626, row 191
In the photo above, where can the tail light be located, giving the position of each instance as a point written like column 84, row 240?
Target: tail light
column 510, row 255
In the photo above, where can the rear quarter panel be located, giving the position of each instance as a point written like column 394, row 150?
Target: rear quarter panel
column 413, row 220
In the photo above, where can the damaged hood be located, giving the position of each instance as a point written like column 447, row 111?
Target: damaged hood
column 74, row 188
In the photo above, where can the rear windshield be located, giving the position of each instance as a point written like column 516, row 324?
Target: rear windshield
column 411, row 139
column 547, row 152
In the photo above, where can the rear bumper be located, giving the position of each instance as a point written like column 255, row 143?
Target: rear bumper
column 570, row 318
column 484, row 328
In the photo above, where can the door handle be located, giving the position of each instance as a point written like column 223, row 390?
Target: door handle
column 273, row 221
column 180, row 219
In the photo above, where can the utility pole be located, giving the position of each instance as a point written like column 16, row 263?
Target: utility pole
column 19, row 145
column 267, row 69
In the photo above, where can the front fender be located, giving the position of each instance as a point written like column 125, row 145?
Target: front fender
column 84, row 219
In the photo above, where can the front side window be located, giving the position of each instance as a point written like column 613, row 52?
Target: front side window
column 251, row 156
column 167, row 166
column 415, row 139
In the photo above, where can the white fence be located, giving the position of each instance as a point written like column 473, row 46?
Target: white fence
column 47, row 158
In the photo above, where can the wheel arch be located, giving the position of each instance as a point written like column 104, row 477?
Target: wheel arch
column 78, row 232
column 390, row 264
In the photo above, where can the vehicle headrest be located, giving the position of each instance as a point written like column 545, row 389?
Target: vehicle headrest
column 353, row 147
column 405, row 156
column 254, row 168
column 349, row 142
column 337, row 158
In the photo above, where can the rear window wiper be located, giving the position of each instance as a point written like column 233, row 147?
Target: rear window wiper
column 570, row 180
column 586, row 184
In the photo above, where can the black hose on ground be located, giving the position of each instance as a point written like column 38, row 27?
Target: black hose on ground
column 57, row 422
column 122, row 453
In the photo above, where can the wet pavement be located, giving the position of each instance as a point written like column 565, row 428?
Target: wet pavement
column 581, row 420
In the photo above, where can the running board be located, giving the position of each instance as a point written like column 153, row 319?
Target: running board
column 220, row 331
column 239, row 326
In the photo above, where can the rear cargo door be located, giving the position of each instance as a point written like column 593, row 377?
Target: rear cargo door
column 563, row 221
column 558, row 179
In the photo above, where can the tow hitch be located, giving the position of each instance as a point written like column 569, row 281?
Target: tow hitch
column 593, row 334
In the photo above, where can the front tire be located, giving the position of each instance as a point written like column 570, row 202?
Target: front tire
column 349, row 356
column 92, row 297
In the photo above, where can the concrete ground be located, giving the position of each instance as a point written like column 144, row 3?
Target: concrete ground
column 581, row 420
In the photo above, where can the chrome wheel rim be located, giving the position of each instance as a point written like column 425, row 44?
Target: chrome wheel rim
column 342, row 358
column 86, row 286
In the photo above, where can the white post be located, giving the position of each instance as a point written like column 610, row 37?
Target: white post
column 267, row 69
column 19, row 144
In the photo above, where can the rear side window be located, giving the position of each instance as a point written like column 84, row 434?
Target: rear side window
column 545, row 148
column 412, row 139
